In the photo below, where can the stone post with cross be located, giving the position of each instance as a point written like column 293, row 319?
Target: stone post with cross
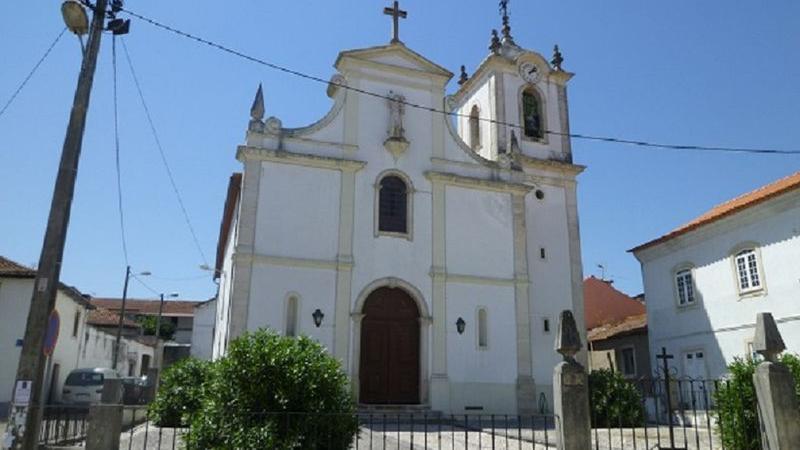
column 571, row 389
column 777, row 401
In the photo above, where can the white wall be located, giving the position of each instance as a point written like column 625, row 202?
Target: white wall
column 299, row 205
column 98, row 351
column 224, row 291
column 721, row 322
column 203, row 330
column 15, row 294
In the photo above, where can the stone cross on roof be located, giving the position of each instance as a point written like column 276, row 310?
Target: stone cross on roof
column 396, row 14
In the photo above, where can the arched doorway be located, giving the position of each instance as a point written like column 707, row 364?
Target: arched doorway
column 390, row 348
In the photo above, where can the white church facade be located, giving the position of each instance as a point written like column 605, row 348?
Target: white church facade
column 428, row 241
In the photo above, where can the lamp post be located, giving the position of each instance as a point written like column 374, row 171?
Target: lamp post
column 318, row 315
column 122, row 314
column 460, row 325
column 30, row 371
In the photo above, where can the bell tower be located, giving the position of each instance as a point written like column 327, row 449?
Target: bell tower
column 515, row 103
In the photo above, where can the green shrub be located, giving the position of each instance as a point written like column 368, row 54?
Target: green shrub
column 180, row 392
column 737, row 413
column 275, row 392
column 149, row 324
column 614, row 400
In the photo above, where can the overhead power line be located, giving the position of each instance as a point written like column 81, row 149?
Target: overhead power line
column 171, row 178
column 581, row 136
column 33, row 71
column 116, row 152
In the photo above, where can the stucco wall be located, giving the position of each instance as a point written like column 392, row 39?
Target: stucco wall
column 203, row 330
column 15, row 294
column 721, row 322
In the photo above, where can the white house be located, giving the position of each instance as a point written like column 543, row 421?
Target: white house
column 83, row 340
column 431, row 255
column 203, row 329
column 16, row 289
column 706, row 281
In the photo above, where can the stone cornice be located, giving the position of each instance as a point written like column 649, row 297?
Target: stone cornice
column 477, row 183
column 551, row 164
column 287, row 261
column 244, row 153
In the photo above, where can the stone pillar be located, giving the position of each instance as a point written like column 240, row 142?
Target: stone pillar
column 440, row 384
column 777, row 401
column 344, row 268
column 526, row 389
column 105, row 419
column 571, row 390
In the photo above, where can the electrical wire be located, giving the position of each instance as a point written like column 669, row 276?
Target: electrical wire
column 30, row 74
column 146, row 286
column 581, row 136
column 116, row 151
column 163, row 155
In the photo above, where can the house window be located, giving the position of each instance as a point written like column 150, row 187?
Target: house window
column 685, row 286
column 628, row 361
column 76, row 323
column 532, row 114
column 483, row 339
column 392, row 205
column 746, row 262
column 291, row 316
column 474, row 128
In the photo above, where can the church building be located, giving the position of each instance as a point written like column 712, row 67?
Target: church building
column 428, row 241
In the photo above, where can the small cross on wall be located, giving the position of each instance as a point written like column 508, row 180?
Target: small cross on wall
column 396, row 14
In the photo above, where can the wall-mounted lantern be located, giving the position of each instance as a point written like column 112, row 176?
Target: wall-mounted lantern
column 460, row 325
column 318, row 316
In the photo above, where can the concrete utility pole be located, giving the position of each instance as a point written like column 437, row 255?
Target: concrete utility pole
column 32, row 359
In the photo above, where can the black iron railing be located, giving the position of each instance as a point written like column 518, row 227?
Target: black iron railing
column 64, row 425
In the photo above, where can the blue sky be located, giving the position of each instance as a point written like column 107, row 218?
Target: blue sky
column 711, row 73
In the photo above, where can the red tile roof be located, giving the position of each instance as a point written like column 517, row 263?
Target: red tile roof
column 604, row 305
column 103, row 317
column 234, row 189
column 147, row 307
column 628, row 325
column 9, row 268
column 730, row 207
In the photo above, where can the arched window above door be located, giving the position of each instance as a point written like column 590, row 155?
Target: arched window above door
column 393, row 205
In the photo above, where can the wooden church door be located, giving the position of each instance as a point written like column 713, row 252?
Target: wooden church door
column 390, row 354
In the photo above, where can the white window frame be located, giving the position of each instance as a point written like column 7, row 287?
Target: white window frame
column 409, row 234
column 751, row 267
column 681, row 272
column 621, row 364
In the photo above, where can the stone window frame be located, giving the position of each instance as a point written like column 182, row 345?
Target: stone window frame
column 621, row 365
column 478, row 333
column 474, row 128
column 735, row 253
column 676, row 294
column 410, row 190
column 286, row 303
column 537, row 92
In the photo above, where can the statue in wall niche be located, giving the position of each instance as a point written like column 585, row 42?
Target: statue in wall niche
column 396, row 112
column 396, row 143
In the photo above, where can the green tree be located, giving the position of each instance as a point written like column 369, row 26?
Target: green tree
column 149, row 324
column 180, row 393
column 736, row 404
column 614, row 400
column 275, row 392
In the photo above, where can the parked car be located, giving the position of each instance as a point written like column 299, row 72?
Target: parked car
column 86, row 385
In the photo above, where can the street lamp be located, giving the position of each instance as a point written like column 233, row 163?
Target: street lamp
column 318, row 316
column 122, row 313
column 460, row 325
column 75, row 17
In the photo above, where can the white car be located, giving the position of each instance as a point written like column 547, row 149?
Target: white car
column 86, row 385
